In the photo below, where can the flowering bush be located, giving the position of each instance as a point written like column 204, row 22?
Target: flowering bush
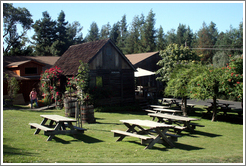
column 80, row 83
column 232, row 79
column 50, row 84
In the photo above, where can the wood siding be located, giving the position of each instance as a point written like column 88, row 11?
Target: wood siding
column 109, row 58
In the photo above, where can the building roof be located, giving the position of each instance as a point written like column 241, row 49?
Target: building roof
column 11, row 61
column 85, row 52
column 17, row 64
column 136, row 58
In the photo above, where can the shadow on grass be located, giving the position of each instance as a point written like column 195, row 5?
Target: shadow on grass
column 80, row 137
column 207, row 134
column 186, row 147
column 166, row 147
column 7, row 150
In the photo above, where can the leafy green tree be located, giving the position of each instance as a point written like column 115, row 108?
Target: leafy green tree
column 161, row 42
column 14, row 43
column 172, row 56
column 207, row 85
column 180, row 77
column 13, row 86
column 45, row 35
column 93, row 32
column 232, row 79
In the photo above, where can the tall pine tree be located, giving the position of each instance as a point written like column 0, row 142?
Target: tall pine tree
column 148, row 34
column 161, row 43
column 45, row 35
column 93, row 32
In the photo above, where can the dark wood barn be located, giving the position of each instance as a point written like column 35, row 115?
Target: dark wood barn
column 109, row 68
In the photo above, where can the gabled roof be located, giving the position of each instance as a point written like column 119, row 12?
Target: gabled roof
column 17, row 64
column 85, row 52
column 136, row 58
column 9, row 61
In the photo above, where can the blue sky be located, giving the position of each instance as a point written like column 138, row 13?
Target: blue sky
column 167, row 13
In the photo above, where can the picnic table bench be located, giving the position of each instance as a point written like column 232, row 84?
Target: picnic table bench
column 62, row 123
column 184, row 123
column 135, row 129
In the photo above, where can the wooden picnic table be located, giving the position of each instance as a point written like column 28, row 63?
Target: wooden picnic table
column 183, row 121
column 62, row 123
column 137, row 128
column 172, row 101
column 224, row 108
column 158, row 106
column 191, row 107
column 167, row 110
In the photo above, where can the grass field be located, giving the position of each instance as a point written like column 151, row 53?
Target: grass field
column 217, row 142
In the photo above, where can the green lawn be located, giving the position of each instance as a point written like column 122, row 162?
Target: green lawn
column 217, row 142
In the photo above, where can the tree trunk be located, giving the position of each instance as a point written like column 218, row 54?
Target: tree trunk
column 184, row 106
column 214, row 109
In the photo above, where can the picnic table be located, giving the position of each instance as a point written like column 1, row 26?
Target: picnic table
column 224, row 107
column 62, row 123
column 169, row 101
column 158, row 106
column 183, row 122
column 155, row 133
column 191, row 107
column 167, row 110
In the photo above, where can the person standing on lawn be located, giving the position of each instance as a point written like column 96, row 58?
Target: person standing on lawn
column 33, row 97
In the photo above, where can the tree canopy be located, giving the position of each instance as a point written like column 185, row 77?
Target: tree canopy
column 53, row 37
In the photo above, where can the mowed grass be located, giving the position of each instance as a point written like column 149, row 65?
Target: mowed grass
column 217, row 142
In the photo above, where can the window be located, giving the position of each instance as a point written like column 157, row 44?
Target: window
column 31, row 70
column 99, row 82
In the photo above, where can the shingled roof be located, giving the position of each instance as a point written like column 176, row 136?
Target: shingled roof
column 70, row 60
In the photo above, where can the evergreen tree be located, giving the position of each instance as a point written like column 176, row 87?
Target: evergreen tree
column 93, row 33
column 105, row 31
column 133, row 39
column 115, row 32
column 207, row 37
column 148, row 34
column 180, row 40
column 188, row 37
column 121, row 40
column 61, row 44
column 74, row 33
column 161, row 43
column 171, row 37
column 45, row 35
